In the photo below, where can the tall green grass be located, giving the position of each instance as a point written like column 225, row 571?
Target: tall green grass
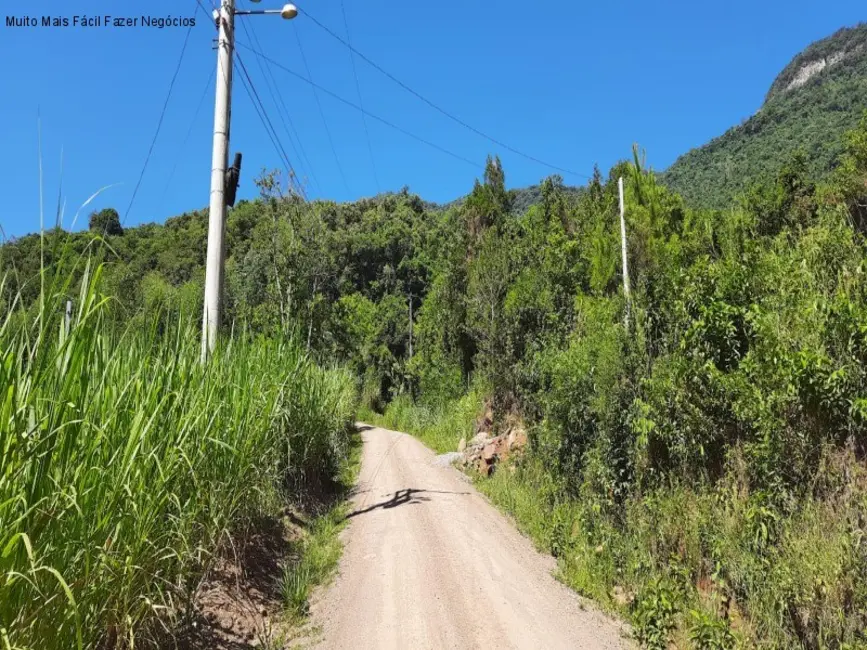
column 125, row 464
column 319, row 546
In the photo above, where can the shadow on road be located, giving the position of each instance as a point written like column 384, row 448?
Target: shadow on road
column 401, row 498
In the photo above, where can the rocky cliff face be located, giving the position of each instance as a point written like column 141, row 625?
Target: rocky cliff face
column 846, row 43
column 820, row 95
column 809, row 70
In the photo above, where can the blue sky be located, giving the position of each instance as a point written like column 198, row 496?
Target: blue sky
column 568, row 82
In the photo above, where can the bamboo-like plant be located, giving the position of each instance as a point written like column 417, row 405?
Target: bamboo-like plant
column 125, row 463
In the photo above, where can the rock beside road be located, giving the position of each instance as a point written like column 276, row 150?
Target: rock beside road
column 485, row 451
column 444, row 460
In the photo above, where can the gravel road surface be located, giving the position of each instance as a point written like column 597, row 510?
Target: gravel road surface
column 429, row 563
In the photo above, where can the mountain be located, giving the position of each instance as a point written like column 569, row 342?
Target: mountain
column 818, row 96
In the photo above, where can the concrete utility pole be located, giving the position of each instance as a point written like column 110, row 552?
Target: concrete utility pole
column 225, row 21
column 623, row 249
column 225, row 18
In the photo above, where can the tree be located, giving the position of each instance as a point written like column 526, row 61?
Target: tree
column 105, row 222
column 488, row 203
column 786, row 202
column 490, row 274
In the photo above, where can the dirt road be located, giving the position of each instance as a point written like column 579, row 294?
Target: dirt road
column 429, row 563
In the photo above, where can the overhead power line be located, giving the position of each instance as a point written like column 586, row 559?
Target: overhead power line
column 438, row 108
column 360, row 99
column 205, row 10
column 266, row 122
column 253, row 94
column 193, row 123
column 159, row 122
column 322, row 113
column 357, row 107
column 282, row 112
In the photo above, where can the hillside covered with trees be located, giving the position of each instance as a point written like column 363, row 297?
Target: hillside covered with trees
column 812, row 102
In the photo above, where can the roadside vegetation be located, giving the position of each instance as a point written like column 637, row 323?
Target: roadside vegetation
column 440, row 425
column 319, row 547
column 128, row 466
column 699, row 469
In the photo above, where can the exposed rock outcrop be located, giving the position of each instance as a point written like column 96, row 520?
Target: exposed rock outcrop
column 485, row 451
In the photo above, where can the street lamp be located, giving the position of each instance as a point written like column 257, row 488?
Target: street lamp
column 289, row 11
column 224, row 17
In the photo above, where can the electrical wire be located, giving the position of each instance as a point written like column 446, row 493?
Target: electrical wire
column 282, row 111
column 266, row 122
column 360, row 100
column 430, row 103
column 262, row 113
column 202, row 7
column 193, row 123
column 159, row 122
column 262, row 69
column 322, row 113
column 288, row 123
column 357, row 107
column 263, row 118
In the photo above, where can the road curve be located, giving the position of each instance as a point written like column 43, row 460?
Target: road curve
column 429, row 563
